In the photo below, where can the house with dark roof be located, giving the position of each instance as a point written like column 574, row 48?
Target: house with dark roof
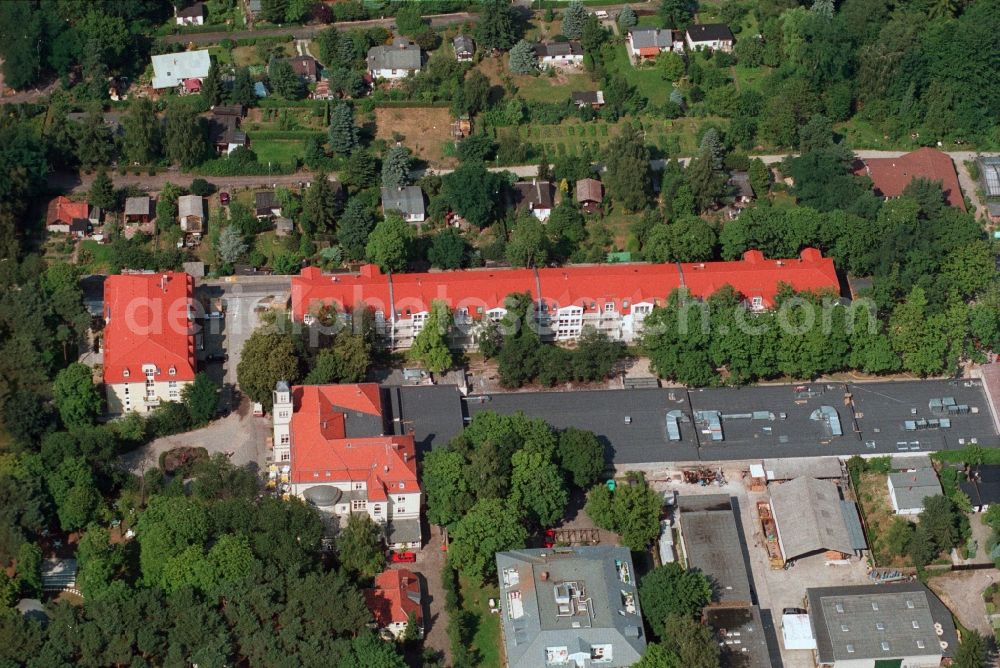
column 224, row 132
column 908, row 489
column 235, row 110
column 306, row 67
column 588, row 98
column 465, row 48
column 191, row 16
column 573, row 606
column 394, row 598
column 812, row 518
column 589, row 194
column 339, row 455
column 890, row 176
column 408, row 200
column 559, row 54
column 739, row 182
column 536, row 197
column 149, row 347
column 711, row 36
column 266, row 204
column 880, row 626
column 981, row 484
column 644, row 44
column 396, row 61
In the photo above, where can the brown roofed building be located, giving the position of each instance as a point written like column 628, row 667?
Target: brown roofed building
column 306, row 67
column 534, row 196
column 589, row 194
column 890, row 176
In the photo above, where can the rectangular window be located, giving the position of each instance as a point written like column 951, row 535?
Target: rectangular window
column 609, row 307
column 400, row 499
column 285, row 439
column 285, row 456
column 358, row 504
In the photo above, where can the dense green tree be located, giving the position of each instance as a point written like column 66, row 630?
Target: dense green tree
column 231, row 245
column 346, row 361
column 632, row 511
column 29, row 569
column 186, row 142
column 211, row 85
column 921, row 548
column 320, row 206
column 672, row 590
column 448, row 494
column 201, row 398
column 396, row 167
column 22, row 29
column 760, row 178
column 267, row 358
column 353, row 229
column 490, row 526
column 528, row 245
column 538, row 488
column 94, row 142
column 573, row 19
column 627, row 18
column 676, row 14
column 343, row 132
column 473, row 192
column 693, row 643
column 448, row 249
column 430, row 345
column 408, row 20
column 242, row 91
column 359, row 546
column 361, row 171
column 941, row 520
column 74, row 492
column 581, row 455
column 389, row 243
column 367, row 649
column 497, row 28
column 283, row 79
column 627, row 171
column 972, row 652
column 141, row 141
column 523, row 59
column 77, row 398
column 707, row 183
column 167, row 527
column 102, row 191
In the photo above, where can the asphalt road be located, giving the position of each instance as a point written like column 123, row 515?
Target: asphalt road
column 309, row 31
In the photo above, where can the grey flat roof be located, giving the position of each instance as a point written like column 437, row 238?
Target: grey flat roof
column 530, row 580
column 432, row 413
column 741, row 635
column 660, row 38
column 815, row 467
column 875, row 427
column 876, row 614
column 713, row 546
column 395, row 57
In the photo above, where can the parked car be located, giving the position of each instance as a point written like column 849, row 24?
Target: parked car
column 404, row 557
column 216, row 357
column 215, row 315
column 224, row 198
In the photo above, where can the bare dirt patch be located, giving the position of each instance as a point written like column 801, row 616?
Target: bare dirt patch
column 426, row 131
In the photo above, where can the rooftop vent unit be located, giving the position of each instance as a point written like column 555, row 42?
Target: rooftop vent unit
column 710, row 423
column 674, row 418
column 830, row 419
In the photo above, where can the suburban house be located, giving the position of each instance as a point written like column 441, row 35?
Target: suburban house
column 742, row 191
column 396, row 596
column 712, row 36
column 908, row 489
column 191, row 16
column 982, row 485
column 465, row 48
column 537, row 197
column 235, row 110
column 322, row 91
column 589, row 194
column 65, row 215
column 185, row 68
column 340, row 455
column 644, row 44
column 149, row 347
column 890, row 176
column 224, row 132
column 869, row 626
column 396, row 61
column 266, row 204
column 139, row 209
column 570, row 606
column 306, row 67
column 588, row 98
column 559, row 54
column 408, row 200
column 612, row 298
column 191, row 213
column 812, row 518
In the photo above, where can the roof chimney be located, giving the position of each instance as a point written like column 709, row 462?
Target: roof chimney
column 544, row 576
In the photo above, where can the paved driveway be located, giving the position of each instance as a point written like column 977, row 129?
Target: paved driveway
column 962, row 592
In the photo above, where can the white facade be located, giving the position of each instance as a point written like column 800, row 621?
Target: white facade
column 713, row 44
column 142, row 396
column 391, row 74
column 568, row 60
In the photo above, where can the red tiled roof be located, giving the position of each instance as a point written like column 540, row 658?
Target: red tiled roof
column 649, row 51
column 591, row 286
column 890, row 176
column 147, row 323
column 321, row 450
column 192, row 84
column 396, row 594
column 63, row 211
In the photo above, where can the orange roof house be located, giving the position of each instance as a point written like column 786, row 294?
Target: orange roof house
column 890, row 176
column 592, row 287
column 63, row 211
column 395, row 596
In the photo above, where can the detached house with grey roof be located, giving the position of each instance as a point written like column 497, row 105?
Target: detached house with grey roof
column 572, row 606
column 644, row 44
column 396, row 61
column 171, row 70
column 408, row 200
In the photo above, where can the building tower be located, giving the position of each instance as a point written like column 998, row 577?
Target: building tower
column 282, row 417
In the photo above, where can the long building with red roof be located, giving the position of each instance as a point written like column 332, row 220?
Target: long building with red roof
column 890, row 176
column 149, row 348
column 613, row 298
column 396, row 596
column 340, row 455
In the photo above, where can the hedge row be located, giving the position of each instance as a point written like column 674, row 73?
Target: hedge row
column 287, row 135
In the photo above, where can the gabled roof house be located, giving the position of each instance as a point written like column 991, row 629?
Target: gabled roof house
column 394, row 598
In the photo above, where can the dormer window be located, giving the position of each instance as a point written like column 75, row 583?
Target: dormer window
column 172, row 371
column 125, row 373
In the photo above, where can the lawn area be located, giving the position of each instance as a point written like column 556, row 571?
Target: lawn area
column 427, row 131
column 541, row 88
column 647, row 80
column 619, row 224
column 873, row 496
column 223, row 56
column 749, row 77
column 277, row 150
column 94, row 257
column 488, row 638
